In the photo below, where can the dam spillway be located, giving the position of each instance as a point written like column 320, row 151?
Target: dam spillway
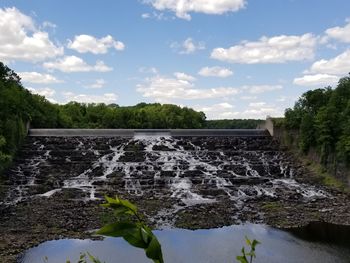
column 191, row 179
column 179, row 170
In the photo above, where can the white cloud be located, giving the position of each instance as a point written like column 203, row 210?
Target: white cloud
column 341, row 34
column 225, row 110
column 339, row 65
column 46, row 92
column 218, row 111
column 155, row 15
column 76, row 64
column 248, row 97
column 257, row 89
column 88, row 98
column 229, row 115
column 282, row 98
column 182, row 8
column 146, row 15
column 87, row 43
column 21, row 40
column 215, row 72
column 49, row 24
column 259, row 110
column 262, row 112
column 183, row 76
column 165, row 88
column 98, row 84
column 189, row 46
column 36, row 77
column 216, row 107
column 316, row 80
column 148, row 70
column 278, row 49
column 326, row 72
column 257, row 104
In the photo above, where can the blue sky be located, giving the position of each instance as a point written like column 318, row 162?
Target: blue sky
column 228, row 58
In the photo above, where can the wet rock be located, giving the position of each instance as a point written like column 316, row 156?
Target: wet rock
column 211, row 182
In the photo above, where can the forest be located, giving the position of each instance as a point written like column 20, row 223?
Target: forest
column 322, row 117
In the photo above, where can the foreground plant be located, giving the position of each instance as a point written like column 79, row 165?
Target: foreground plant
column 130, row 227
column 251, row 255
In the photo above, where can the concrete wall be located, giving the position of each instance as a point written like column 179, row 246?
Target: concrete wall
column 267, row 125
column 150, row 132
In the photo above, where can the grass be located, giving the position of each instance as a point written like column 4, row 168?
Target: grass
column 272, row 206
column 325, row 177
column 318, row 171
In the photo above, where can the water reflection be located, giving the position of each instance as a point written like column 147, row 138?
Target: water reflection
column 324, row 233
column 200, row 246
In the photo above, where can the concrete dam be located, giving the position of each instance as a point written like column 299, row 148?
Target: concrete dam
column 219, row 177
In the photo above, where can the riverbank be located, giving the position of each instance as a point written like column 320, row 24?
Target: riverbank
column 192, row 183
column 29, row 224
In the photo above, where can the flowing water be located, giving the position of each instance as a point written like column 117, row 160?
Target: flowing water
column 190, row 170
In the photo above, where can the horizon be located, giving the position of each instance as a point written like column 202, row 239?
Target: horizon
column 233, row 59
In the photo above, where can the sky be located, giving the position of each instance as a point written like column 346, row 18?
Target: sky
column 231, row 59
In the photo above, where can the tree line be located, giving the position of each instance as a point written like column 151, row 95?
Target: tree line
column 322, row 117
column 233, row 124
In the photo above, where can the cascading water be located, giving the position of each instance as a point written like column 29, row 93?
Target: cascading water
column 186, row 171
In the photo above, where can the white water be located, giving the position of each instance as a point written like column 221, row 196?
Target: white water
column 174, row 173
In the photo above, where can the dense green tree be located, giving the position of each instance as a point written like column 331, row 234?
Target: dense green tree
column 322, row 117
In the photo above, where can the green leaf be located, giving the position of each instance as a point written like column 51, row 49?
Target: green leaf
column 249, row 243
column 255, row 243
column 121, row 211
column 134, row 238
column 251, row 254
column 242, row 259
column 93, row 259
column 129, row 231
column 111, row 200
column 146, row 236
column 82, row 258
column 129, row 205
column 136, row 234
column 120, row 204
column 118, row 229
column 154, row 250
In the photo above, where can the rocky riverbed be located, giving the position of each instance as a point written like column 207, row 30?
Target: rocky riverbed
column 56, row 183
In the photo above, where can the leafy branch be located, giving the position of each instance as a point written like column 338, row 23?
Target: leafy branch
column 244, row 257
column 131, row 227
